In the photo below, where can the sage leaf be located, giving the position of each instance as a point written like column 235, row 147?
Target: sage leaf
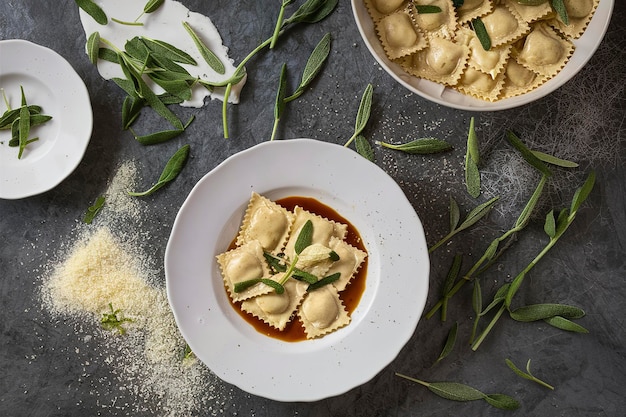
column 313, row 66
column 498, row 298
column 450, row 341
column 363, row 113
column 279, row 22
column 278, row 287
column 152, row 6
column 565, row 324
column 477, row 213
column 527, row 154
column 173, row 167
column 23, row 124
column 481, row 33
column 324, row 281
column 304, row 276
column 275, row 263
column 477, row 306
column 448, row 283
column 561, row 10
column 93, row 47
column 304, row 237
column 211, row 59
column 11, row 115
column 279, row 103
column 364, row 148
column 549, row 225
column 244, row 285
column 550, row 159
column 527, row 375
column 93, row 210
column 158, row 137
column 425, row 9
column 536, row 312
column 311, row 11
column 131, row 108
column 93, row 10
column 472, row 159
column 169, row 51
column 531, row 2
column 420, row 146
column 524, row 217
column 583, row 192
column 502, row 401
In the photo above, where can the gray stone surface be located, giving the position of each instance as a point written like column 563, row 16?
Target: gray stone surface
column 47, row 368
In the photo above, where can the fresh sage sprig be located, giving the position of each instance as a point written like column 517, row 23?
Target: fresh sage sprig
column 114, row 320
column 472, row 159
column 450, row 342
column 472, row 218
column 313, row 66
column 554, row 227
column 93, row 210
column 363, row 114
column 460, row 392
column 527, row 375
column 173, row 167
column 279, row 22
column 93, row 10
column 419, row 146
column 311, row 11
column 364, row 148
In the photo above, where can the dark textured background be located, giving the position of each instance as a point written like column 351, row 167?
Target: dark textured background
column 41, row 375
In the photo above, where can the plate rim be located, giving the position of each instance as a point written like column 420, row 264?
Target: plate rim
column 73, row 157
column 328, row 345
column 468, row 103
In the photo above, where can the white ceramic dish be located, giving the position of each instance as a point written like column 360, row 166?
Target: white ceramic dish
column 382, row 323
column 585, row 48
column 50, row 82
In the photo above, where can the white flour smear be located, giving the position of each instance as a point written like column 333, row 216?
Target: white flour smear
column 165, row 24
column 147, row 365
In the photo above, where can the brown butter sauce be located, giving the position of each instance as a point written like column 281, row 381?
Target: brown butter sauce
column 294, row 332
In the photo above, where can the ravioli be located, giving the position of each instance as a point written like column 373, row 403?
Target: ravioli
column 276, row 280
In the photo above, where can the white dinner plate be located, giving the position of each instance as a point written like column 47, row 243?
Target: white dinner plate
column 396, row 282
column 585, row 48
column 50, row 82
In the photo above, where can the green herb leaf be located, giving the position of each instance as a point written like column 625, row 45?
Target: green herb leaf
column 23, row 124
column 527, row 154
column 158, row 137
column 527, row 375
column 279, row 104
column 363, row 113
column 114, row 320
column 550, row 224
column 536, row 312
column 502, row 401
column 425, row 9
column 304, row 276
column 208, row 55
column 364, row 148
column 448, row 283
column 561, row 10
column 169, row 51
column 275, row 263
column 313, row 66
column 279, row 22
column 450, row 341
column 131, row 107
column 170, row 172
column 455, row 214
column 324, row 281
column 550, row 159
column 244, row 285
column 477, row 306
column 472, row 159
column 93, row 47
column 477, row 213
column 420, row 146
column 152, row 6
column 93, row 10
column 311, row 11
column 304, row 237
column 481, row 33
column 565, row 324
column 278, row 287
column 93, row 210
column 583, row 192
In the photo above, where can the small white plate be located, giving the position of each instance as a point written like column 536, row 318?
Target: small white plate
column 50, row 82
column 382, row 323
column 585, row 48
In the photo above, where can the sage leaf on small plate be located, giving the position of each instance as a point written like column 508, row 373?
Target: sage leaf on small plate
column 173, row 167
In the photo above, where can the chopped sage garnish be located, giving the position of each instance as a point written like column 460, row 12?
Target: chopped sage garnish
column 173, row 167
column 527, row 375
column 93, row 210
column 460, row 392
column 114, row 320
column 425, row 9
column 93, row 10
column 419, row 146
